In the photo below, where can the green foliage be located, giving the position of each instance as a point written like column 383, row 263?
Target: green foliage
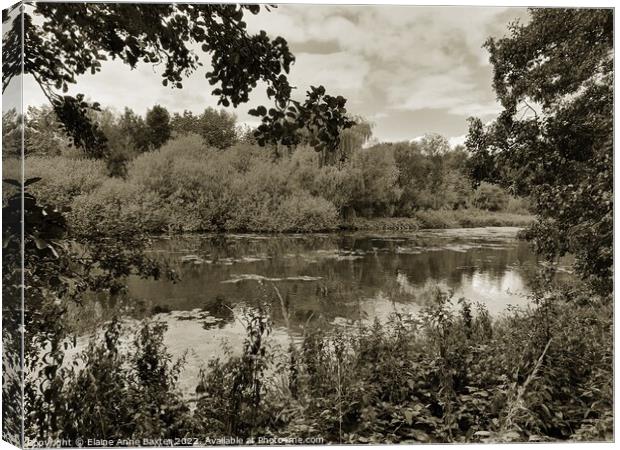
column 559, row 150
column 43, row 133
column 116, row 394
column 187, row 186
column 62, row 178
column 114, row 202
column 322, row 117
column 218, row 128
column 201, row 189
column 158, row 123
column 375, row 175
column 431, row 175
column 304, row 212
column 11, row 134
column 134, row 128
column 231, row 393
column 490, row 197
column 69, row 40
column 452, row 374
column 62, row 262
column 74, row 113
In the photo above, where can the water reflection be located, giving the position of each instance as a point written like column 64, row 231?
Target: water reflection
column 338, row 276
column 332, row 278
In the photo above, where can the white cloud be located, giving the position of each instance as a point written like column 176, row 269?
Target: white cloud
column 340, row 72
column 437, row 90
column 457, row 140
column 411, row 58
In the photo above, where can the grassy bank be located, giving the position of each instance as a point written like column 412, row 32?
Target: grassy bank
column 462, row 218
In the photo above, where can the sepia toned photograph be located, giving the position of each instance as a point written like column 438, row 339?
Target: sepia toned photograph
column 306, row 224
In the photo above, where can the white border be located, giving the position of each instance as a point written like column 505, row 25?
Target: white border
column 487, row 3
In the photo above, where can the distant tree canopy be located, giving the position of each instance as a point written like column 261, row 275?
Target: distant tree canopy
column 553, row 140
column 217, row 128
column 69, row 39
column 11, row 133
column 158, row 123
column 134, row 126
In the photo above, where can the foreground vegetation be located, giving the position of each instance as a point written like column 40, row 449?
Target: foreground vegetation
column 451, row 374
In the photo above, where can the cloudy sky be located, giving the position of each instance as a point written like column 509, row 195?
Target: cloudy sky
column 409, row 70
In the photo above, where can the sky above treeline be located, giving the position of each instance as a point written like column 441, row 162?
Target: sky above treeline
column 409, row 70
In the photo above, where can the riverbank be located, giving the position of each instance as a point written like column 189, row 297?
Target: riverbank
column 442, row 219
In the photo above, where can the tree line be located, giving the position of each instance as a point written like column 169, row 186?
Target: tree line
column 359, row 179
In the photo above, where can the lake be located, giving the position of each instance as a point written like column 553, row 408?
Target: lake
column 330, row 279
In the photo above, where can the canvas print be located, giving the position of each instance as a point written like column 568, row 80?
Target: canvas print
column 298, row 224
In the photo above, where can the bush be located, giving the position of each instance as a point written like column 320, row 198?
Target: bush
column 456, row 375
column 189, row 180
column 185, row 186
column 202, row 189
column 117, row 202
column 375, row 175
column 303, row 212
column 118, row 394
column 518, row 205
column 333, row 183
column 490, row 197
column 63, row 179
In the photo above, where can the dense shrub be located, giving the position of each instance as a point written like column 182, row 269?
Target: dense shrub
column 375, row 176
column 120, row 390
column 490, row 197
column 518, row 205
column 116, row 202
column 458, row 190
column 203, row 189
column 453, row 374
column 187, row 186
column 450, row 374
column 62, row 178
column 303, row 212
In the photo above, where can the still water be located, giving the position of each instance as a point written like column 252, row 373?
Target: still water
column 331, row 278
column 338, row 276
column 310, row 279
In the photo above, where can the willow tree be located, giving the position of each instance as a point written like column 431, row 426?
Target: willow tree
column 351, row 139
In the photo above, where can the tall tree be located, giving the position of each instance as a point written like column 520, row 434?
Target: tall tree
column 435, row 147
column 351, row 139
column 158, row 123
column 11, row 133
column 553, row 139
column 66, row 40
column 218, row 128
column 43, row 133
column 133, row 126
column 184, row 123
